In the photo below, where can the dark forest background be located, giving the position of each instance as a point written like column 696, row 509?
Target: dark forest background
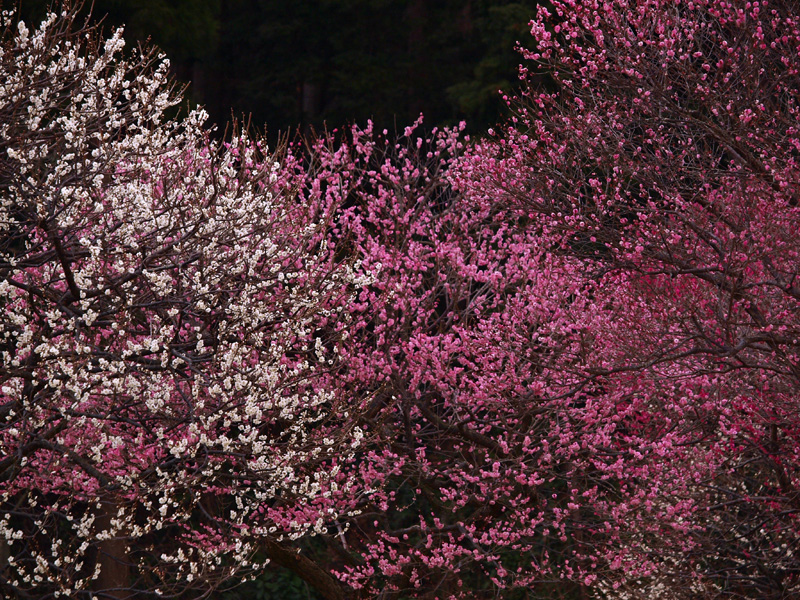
column 309, row 63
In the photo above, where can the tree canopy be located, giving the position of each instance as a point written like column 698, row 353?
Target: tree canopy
column 561, row 360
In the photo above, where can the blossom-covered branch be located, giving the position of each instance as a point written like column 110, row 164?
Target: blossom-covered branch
column 166, row 406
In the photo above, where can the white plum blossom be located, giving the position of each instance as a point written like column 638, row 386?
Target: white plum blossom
column 163, row 395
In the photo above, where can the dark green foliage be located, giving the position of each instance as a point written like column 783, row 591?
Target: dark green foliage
column 338, row 61
column 311, row 63
column 500, row 27
column 279, row 584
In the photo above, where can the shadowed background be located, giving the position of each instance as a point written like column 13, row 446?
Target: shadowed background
column 307, row 63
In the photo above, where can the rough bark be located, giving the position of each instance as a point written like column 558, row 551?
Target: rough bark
column 112, row 555
column 306, row 569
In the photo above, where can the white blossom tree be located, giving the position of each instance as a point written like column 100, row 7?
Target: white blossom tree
column 170, row 309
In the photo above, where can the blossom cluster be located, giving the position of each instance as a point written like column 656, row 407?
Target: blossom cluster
column 169, row 309
column 561, row 358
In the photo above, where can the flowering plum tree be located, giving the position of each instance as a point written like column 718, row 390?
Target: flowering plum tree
column 497, row 460
column 167, row 311
column 663, row 158
column 581, row 353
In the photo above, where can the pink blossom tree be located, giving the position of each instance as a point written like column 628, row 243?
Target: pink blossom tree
column 579, row 361
column 498, row 460
column 662, row 156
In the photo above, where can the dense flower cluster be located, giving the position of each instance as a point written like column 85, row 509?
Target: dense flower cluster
column 664, row 157
column 164, row 376
column 561, row 359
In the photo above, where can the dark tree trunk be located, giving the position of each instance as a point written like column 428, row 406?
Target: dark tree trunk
column 307, row 570
column 112, row 556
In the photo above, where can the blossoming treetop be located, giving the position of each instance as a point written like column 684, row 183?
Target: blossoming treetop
column 560, row 360
column 165, row 400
